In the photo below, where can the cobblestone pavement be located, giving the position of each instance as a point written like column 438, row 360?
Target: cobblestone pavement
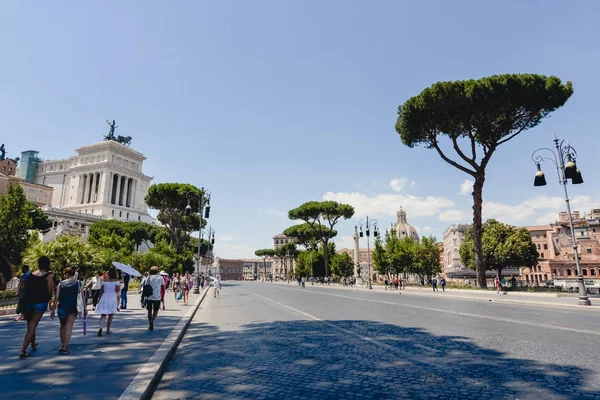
column 266, row 341
column 97, row 368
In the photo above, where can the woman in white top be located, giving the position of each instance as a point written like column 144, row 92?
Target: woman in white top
column 107, row 302
column 217, row 284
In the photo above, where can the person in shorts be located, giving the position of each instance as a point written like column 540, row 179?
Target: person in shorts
column 156, row 281
column 65, row 302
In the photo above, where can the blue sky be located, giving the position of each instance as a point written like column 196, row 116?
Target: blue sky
column 269, row 104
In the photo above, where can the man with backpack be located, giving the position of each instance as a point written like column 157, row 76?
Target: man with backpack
column 151, row 291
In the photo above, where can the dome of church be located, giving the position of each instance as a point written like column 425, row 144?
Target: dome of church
column 403, row 228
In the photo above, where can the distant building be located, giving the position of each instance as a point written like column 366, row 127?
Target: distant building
column 453, row 238
column 103, row 181
column 255, row 269
column 282, row 266
column 231, row 270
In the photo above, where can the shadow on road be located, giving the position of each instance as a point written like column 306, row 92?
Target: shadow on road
column 339, row 359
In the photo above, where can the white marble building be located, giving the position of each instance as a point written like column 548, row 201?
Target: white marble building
column 104, row 179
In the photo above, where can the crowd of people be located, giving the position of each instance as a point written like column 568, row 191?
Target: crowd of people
column 66, row 298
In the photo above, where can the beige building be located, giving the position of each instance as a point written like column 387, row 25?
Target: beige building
column 282, row 267
column 40, row 195
column 255, row 269
column 231, row 270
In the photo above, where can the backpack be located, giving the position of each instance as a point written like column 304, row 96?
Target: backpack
column 147, row 289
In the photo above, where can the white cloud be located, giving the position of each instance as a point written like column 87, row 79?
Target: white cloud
column 427, row 229
column 273, row 212
column 388, row 204
column 452, row 216
column 344, row 242
column 466, row 187
column 225, row 237
column 400, row 183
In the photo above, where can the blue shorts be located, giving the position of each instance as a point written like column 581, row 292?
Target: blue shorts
column 37, row 307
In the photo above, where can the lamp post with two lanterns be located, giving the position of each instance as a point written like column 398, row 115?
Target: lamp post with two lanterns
column 203, row 211
column 369, row 224
column 564, row 158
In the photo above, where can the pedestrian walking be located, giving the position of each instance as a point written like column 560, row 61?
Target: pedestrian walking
column 186, row 280
column 107, row 302
column 303, row 281
column 163, row 290
column 176, row 286
column 141, row 291
column 65, row 304
column 124, row 289
column 37, row 293
column 6, row 272
column 21, row 304
column 385, row 283
column 95, row 284
column 434, row 284
column 217, row 285
column 154, row 299
column 443, row 283
column 497, row 284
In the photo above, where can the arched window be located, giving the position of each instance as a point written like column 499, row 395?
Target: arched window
column 554, row 272
column 584, row 272
column 568, row 272
column 593, row 272
column 542, row 255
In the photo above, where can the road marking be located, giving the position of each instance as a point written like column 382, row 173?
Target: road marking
column 376, row 342
column 463, row 314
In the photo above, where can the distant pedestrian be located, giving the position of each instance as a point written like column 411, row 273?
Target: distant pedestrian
column 107, row 302
column 156, row 281
column 443, row 283
column 303, row 281
column 186, row 281
column 497, row 284
column 67, row 292
column 141, row 291
column 396, row 282
column 163, row 290
column 124, row 289
column 217, row 285
column 21, row 304
column 95, row 284
column 176, row 286
column 434, row 284
column 37, row 293
column 385, row 283
column 6, row 272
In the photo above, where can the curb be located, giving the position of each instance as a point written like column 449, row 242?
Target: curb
column 143, row 385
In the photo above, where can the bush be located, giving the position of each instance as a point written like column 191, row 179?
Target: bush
column 7, row 294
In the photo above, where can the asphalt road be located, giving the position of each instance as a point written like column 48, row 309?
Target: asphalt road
column 277, row 341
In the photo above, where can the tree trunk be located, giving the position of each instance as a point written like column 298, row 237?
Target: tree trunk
column 499, row 269
column 478, row 228
column 326, row 257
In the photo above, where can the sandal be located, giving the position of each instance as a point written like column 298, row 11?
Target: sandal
column 64, row 352
column 23, row 354
column 108, row 331
column 100, row 332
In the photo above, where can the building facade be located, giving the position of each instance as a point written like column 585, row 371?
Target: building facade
column 453, row 238
column 231, row 270
column 103, row 179
column 282, row 267
column 255, row 269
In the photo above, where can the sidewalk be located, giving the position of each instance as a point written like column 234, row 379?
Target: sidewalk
column 98, row 367
column 534, row 299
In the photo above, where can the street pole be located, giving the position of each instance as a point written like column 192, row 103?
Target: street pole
column 583, row 297
column 203, row 202
column 565, row 172
column 370, row 223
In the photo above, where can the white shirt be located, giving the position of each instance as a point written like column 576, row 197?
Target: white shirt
column 97, row 283
column 156, row 281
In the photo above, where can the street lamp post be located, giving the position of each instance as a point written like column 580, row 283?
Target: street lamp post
column 211, row 241
column 203, row 211
column 369, row 224
column 566, row 170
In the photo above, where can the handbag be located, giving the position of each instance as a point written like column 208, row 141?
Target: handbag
column 79, row 301
column 179, row 295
